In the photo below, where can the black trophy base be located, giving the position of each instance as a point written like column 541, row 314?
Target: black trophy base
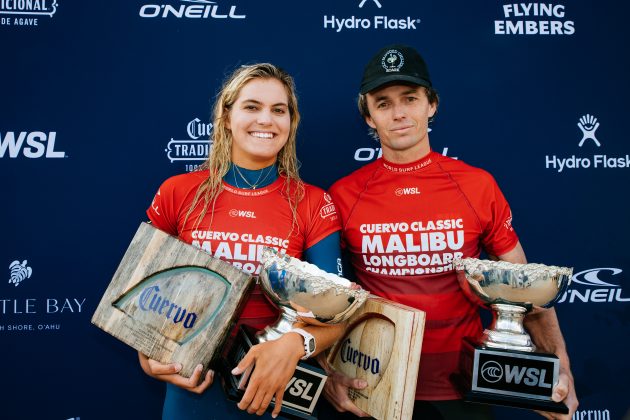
column 301, row 394
column 508, row 377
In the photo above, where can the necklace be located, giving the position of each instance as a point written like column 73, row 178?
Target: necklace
column 260, row 179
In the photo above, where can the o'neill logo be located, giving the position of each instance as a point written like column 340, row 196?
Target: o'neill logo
column 19, row 272
column 195, row 149
column 599, row 288
column 33, row 145
column 366, row 154
column 588, row 125
column 534, row 19
column 378, row 22
column 190, row 9
column 27, row 10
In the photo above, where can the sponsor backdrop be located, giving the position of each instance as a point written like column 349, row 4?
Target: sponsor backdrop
column 101, row 101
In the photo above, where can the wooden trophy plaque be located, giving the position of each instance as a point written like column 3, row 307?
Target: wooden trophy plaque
column 172, row 301
column 382, row 345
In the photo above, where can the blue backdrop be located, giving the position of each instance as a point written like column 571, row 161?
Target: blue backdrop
column 102, row 100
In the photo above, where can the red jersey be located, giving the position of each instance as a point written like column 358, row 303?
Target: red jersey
column 242, row 222
column 403, row 225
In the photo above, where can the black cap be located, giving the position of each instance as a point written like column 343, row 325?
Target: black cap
column 395, row 63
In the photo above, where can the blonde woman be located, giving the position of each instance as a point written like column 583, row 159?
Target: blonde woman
column 247, row 195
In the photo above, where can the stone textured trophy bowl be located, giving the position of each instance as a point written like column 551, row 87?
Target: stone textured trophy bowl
column 305, row 293
column 511, row 290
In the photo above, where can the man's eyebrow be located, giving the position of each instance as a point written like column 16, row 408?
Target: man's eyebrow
column 411, row 90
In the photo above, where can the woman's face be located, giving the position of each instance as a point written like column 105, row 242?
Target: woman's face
column 260, row 123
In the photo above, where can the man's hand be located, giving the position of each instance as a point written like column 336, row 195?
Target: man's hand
column 274, row 363
column 565, row 392
column 336, row 392
column 170, row 373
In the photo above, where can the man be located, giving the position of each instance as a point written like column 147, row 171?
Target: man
column 406, row 217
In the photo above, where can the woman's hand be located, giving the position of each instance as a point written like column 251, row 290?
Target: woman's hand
column 274, row 362
column 170, row 373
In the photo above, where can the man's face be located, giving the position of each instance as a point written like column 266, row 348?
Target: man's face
column 400, row 115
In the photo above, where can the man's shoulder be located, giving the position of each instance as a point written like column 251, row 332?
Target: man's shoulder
column 462, row 170
column 356, row 178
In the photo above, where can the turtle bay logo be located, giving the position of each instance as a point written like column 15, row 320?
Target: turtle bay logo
column 190, row 9
column 25, row 12
column 26, row 314
column 19, row 272
column 194, row 150
column 533, row 19
column 596, row 285
column 374, row 22
column 588, row 125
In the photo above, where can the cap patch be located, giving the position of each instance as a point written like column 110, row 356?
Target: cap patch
column 392, row 60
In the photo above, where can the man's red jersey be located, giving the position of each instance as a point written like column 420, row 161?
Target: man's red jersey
column 241, row 223
column 403, row 225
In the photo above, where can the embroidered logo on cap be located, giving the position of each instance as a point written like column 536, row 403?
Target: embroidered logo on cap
column 392, row 60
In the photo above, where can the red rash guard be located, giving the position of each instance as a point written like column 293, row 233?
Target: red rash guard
column 242, row 223
column 403, row 225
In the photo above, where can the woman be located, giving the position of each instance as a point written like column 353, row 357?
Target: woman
column 247, row 195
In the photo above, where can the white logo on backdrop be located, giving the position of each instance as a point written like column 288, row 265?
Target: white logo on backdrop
column 19, row 272
column 588, row 124
column 375, row 2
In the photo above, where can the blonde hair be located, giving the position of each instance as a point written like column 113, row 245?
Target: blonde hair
column 219, row 160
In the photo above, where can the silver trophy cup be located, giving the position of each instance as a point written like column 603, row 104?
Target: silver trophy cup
column 302, row 292
column 305, row 293
column 502, row 366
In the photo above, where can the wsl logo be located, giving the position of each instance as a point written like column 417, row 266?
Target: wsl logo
column 190, row 9
column 25, row 12
column 600, row 287
column 32, row 145
column 150, row 300
column 19, row 272
column 356, row 357
column 493, row 372
column 195, row 149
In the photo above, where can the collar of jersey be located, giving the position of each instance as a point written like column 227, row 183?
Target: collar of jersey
column 412, row 166
column 254, row 193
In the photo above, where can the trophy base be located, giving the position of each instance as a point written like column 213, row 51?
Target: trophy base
column 508, row 377
column 301, row 394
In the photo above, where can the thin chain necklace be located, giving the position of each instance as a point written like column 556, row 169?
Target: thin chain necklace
column 256, row 183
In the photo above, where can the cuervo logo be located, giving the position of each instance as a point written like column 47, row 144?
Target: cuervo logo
column 351, row 355
column 150, row 300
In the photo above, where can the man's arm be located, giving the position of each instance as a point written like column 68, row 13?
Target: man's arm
column 544, row 329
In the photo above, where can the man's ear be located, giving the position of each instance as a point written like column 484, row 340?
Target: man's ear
column 370, row 122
